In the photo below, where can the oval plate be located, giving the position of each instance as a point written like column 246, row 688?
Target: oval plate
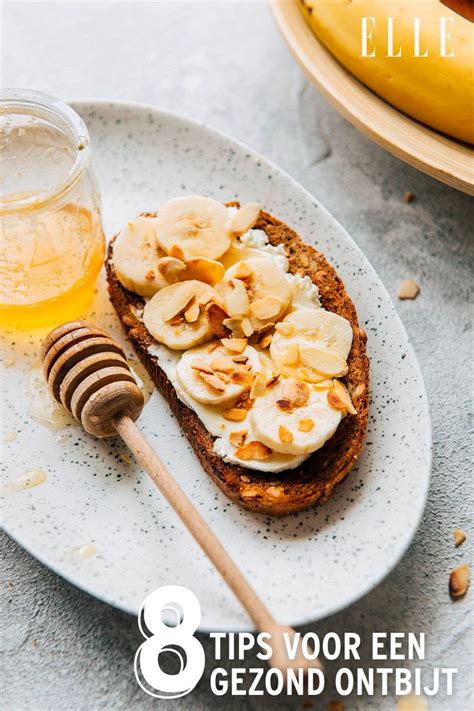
column 437, row 155
column 99, row 521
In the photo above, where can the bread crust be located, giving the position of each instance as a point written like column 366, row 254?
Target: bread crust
column 315, row 479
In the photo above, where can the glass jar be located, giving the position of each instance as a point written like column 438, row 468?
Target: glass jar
column 51, row 238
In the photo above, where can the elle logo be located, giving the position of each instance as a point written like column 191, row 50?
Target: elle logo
column 368, row 28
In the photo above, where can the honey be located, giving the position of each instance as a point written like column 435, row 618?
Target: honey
column 48, row 265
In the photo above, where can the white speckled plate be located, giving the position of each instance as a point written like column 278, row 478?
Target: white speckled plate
column 98, row 520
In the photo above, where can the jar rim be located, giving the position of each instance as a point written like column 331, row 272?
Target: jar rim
column 28, row 102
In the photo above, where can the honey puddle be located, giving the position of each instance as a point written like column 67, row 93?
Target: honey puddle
column 42, row 408
column 30, row 479
column 88, row 550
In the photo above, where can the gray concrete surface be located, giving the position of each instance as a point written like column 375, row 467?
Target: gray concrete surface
column 224, row 63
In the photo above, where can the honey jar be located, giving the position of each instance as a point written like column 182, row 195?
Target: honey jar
column 51, row 238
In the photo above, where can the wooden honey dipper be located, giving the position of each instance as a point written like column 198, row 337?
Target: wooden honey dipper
column 87, row 372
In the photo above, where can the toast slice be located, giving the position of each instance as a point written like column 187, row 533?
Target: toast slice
column 315, row 479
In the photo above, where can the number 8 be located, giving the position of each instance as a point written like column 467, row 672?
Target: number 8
column 169, row 686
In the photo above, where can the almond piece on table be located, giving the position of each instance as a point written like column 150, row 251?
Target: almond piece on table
column 408, row 289
column 237, row 439
column 179, row 301
column 459, row 537
column 236, row 345
column 245, row 218
column 306, row 424
column 236, row 414
column 253, row 450
column 284, row 434
column 203, row 269
column 459, row 580
column 267, row 307
column 212, row 380
column 339, row 398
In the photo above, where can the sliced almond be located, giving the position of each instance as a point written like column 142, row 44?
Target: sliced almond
column 241, row 377
column 306, row 424
column 212, row 380
column 459, row 537
column 296, row 392
column 290, row 355
column 339, row 398
column 243, row 271
column 224, row 363
column 265, row 340
column 201, row 365
column 207, row 270
column 322, row 385
column 284, row 434
column 236, row 414
column 272, row 379
column 179, row 301
column 216, row 317
column 237, row 439
column 240, row 359
column 236, row 298
column 244, row 219
column 176, row 251
column 192, row 312
column 171, row 269
column 240, row 327
column 258, row 387
column 323, row 360
column 253, row 450
column 235, row 345
column 459, row 580
column 247, row 327
column 212, row 346
column 408, row 289
column 267, row 307
column 285, row 328
column 225, row 377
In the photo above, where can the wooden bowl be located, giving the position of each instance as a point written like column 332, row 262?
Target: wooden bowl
column 443, row 158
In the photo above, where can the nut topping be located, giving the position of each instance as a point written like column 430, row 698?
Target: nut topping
column 216, row 317
column 236, row 414
column 284, row 434
column 237, row 439
column 339, row 398
column 172, row 269
column 267, row 307
column 236, row 345
column 459, row 580
column 212, row 380
column 179, row 301
column 306, row 425
column 253, row 450
column 296, row 392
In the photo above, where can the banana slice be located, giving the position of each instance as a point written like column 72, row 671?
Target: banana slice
column 312, row 344
column 267, row 288
column 176, row 315
column 136, row 254
column 207, row 377
column 292, row 418
column 194, row 224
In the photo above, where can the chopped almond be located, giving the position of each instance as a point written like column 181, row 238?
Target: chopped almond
column 258, row 387
column 243, row 271
column 283, row 404
column 216, row 317
column 212, row 380
column 459, row 580
column 203, row 269
column 236, row 414
column 172, row 269
column 290, row 355
column 212, row 346
column 408, row 289
column 236, row 345
column 179, row 301
column 253, row 450
column 201, row 365
column 242, row 377
column 306, row 424
column 176, row 251
column 272, row 379
column 192, row 312
column 225, row 364
column 240, row 358
column 284, row 434
column 267, row 307
column 339, row 398
column 150, row 275
column 223, row 376
column 296, row 392
column 265, row 340
column 246, row 479
column 237, row 439
column 285, row 328
column 459, row 537
column 247, row 327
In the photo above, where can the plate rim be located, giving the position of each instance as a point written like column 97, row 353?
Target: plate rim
column 80, row 104
column 416, row 144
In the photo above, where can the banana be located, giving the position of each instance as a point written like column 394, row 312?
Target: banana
column 312, row 344
column 293, row 418
column 194, row 226
column 136, row 254
column 266, row 286
column 176, row 315
column 207, row 376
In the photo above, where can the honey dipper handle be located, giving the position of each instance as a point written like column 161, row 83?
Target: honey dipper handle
column 195, row 524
